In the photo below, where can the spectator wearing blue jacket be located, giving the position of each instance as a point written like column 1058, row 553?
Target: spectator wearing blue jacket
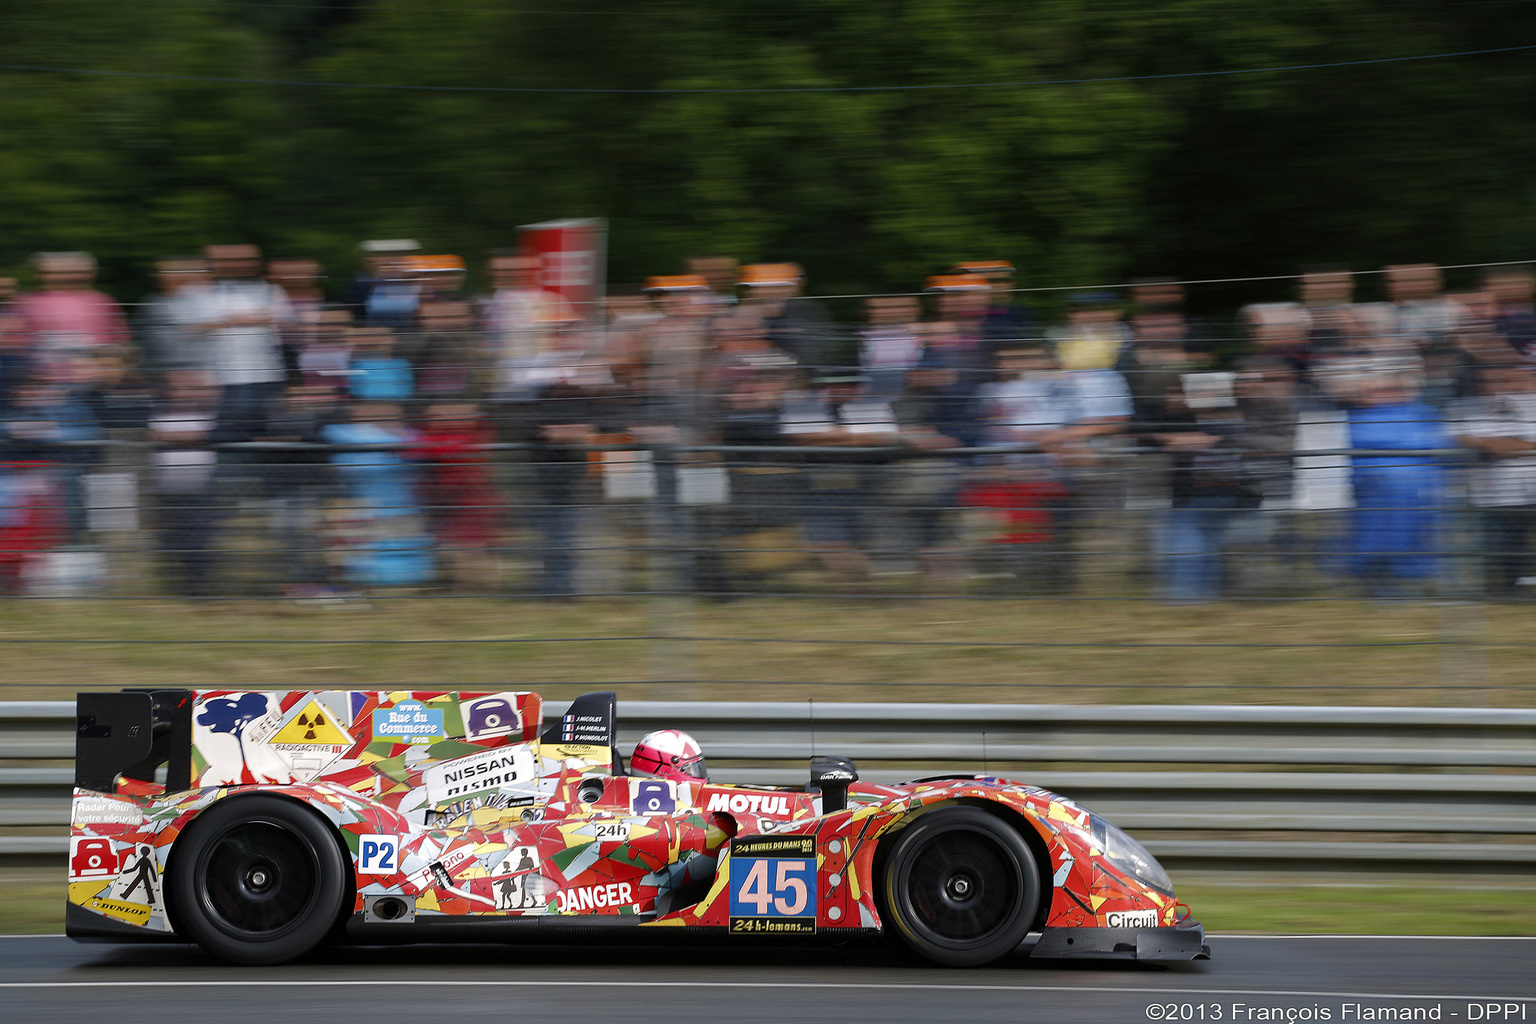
column 385, row 526
column 375, row 373
column 1393, row 542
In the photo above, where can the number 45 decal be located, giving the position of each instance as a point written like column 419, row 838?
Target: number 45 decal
column 788, row 896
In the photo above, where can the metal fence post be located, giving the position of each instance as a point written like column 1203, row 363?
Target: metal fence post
column 669, row 573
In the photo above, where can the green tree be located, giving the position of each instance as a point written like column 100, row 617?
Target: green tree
column 870, row 188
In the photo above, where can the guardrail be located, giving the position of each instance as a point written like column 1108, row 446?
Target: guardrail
column 1294, row 787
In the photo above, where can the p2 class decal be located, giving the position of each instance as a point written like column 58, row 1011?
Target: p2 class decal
column 378, row 855
column 773, row 885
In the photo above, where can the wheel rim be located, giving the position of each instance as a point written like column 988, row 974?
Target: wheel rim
column 961, row 888
column 257, row 880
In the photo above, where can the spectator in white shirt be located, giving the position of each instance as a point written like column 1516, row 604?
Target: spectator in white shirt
column 1060, row 412
column 890, row 346
column 242, row 317
column 520, row 319
column 1501, row 426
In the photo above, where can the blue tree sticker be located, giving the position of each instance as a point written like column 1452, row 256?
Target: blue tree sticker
column 232, row 716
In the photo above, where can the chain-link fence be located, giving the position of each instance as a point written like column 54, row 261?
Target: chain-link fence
column 1311, row 575
column 621, row 519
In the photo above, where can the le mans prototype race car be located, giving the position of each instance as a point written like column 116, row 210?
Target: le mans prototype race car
column 259, row 825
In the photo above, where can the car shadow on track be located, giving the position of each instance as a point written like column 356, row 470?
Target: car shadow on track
column 381, row 960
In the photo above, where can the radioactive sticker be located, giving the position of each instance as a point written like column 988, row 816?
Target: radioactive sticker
column 313, row 724
column 312, row 741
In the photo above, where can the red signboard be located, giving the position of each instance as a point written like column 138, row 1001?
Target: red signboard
column 572, row 257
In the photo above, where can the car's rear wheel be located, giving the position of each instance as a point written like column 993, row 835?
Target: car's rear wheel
column 960, row 887
column 260, row 880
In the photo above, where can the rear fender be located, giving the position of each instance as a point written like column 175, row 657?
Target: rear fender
column 172, row 863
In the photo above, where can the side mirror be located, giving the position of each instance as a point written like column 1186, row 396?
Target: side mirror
column 833, row 776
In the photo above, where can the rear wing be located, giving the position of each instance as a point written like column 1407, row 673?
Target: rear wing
column 137, row 734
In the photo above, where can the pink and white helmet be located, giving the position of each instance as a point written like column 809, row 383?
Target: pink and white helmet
column 669, row 754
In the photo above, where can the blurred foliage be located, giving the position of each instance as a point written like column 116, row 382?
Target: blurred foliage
column 1092, row 182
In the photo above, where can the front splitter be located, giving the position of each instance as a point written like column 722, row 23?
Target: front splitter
column 1183, row 942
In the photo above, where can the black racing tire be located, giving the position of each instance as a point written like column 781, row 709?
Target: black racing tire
column 960, row 887
column 260, row 880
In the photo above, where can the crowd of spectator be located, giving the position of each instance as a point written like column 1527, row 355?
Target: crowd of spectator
column 398, row 431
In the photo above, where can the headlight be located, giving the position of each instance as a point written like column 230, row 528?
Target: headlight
column 1128, row 855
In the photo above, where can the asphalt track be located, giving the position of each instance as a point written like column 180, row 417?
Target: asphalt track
column 1260, row 978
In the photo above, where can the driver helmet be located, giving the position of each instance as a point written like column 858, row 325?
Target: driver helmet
column 669, row 754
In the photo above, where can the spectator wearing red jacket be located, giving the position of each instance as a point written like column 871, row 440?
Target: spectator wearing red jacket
column 463, row 506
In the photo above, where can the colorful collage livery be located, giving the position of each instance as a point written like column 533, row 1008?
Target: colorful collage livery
column 260, row 824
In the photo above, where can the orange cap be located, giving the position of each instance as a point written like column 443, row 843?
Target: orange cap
column 434, row 264
column 955, row 282
column 754, row 274
column 676, row 283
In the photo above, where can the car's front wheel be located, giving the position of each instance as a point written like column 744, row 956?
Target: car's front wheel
column 260, row 880
column 960, row 887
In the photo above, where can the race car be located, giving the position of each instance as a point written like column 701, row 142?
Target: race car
column 261, row 824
